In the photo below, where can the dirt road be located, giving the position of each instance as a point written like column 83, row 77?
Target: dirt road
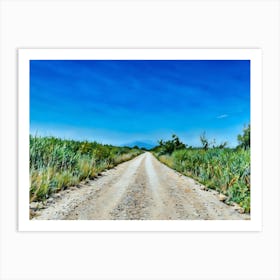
column 142, row 188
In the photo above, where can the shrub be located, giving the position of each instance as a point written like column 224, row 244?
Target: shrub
column 56, row 164
column 225, row 170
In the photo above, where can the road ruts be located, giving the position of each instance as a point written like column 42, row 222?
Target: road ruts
column 140, row 189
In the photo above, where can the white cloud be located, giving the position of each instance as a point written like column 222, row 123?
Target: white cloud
column 222, row 116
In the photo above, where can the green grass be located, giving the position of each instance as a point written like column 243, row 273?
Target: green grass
column 56, row 164
column 225, row 170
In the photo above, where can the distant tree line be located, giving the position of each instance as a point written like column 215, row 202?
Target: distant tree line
column 169, row 146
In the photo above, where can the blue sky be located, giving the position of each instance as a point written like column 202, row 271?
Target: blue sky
column 119, row 102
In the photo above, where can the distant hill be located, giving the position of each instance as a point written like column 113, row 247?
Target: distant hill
column 140, row 144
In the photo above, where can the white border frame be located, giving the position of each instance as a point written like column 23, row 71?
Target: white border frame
column 254, row 55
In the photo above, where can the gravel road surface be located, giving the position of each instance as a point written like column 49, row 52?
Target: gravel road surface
column 140, row 189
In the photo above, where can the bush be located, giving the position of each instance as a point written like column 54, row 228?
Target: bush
column 168, row 147
column 56, row 164
column 225, row 170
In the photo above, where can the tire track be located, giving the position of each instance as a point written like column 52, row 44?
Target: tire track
column 100, row 207
column 140, row 189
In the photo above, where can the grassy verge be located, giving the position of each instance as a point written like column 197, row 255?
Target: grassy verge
column 225, row 170
column 56, row 164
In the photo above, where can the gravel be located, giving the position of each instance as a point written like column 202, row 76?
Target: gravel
column 140, row 189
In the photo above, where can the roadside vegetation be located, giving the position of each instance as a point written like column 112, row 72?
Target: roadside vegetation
column 56, row 164
column 226, row 170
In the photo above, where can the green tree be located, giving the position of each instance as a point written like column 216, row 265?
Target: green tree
column 204, row 141
column 168, row 147
column 244, row 139
column 222, row 145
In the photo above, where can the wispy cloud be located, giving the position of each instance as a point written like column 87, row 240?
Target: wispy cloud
column 222, row 116
column 129, row 100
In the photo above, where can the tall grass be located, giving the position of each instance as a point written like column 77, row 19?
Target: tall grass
column 225, row 170
column 56, row 164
